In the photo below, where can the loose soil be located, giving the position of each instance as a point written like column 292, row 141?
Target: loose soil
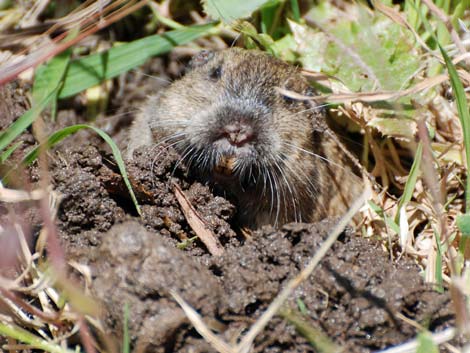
column 356, row 297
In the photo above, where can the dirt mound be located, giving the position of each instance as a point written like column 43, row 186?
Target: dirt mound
column 354, row 297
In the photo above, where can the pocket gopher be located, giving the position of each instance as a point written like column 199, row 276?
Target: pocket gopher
column 274, row 156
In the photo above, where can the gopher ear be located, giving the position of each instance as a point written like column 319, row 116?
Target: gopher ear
column 201, row 58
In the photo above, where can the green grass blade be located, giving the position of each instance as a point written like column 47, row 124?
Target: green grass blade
column 464, row 115
column 411, row 181
column 313, row 335
column 24, row 336
column 61, row 134
column 388, row 221
column 438, row 269
column 5, row 155
column 126, row 343
column 295, row 10
column 93, row 69
column 23, row 122
column 426, row 344
column 49, row 77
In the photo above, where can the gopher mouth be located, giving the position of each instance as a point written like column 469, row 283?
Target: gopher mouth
column 225, row 165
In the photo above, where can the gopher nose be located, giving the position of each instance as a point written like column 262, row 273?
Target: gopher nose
column 238, row 134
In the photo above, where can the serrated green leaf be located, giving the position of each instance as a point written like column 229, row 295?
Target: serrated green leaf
column 65, row 132
column 366, row 50
column 91, row 70
column 231, row 10
column 310, row 45
column 394, row 127
column 284, row 48
column 426, row 344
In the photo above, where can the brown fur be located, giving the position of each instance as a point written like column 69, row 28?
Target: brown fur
column 276, row 183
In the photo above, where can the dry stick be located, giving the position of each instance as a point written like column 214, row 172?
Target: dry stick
column 432, row 181
column 247, row 341
column 219, row 344
column 12, row 195
column 368, row 96
column 11, row 71
column 396, row 17
column 197, row 224
column 410, row 347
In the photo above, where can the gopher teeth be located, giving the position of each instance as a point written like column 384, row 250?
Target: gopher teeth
column 225, row 165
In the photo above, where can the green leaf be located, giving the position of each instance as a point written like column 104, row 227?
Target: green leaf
column 61, row 134
column 34, row 341
column 438, row 269
column 380, row 212
column 411, row 181
column 395, row 127
column 48, row 78
column 302, row 307
column 262, row 39
column 231, row 10
column 91, row 70
column 295, row 10
column 5, row 155
column 463, row 223
column 313, row 335
column 23, row 122
column 464, row 115
column 365, row 50
column 426, row 344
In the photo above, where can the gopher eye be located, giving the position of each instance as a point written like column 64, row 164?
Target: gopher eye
column 288, row 99
column 216, row 73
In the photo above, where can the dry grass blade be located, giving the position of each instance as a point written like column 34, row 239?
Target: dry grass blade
column 247, row 341
column 410, row 347
column 10, row 195
column 396, row 17
column 197, row 224
column 203, row 330
column 10, row 71
column 369, row 97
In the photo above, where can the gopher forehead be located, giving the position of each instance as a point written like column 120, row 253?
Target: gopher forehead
column 252, row 64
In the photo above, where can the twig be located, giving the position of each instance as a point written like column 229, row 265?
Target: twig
column 219, row 344
column 410, row 347
column 197, row 224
